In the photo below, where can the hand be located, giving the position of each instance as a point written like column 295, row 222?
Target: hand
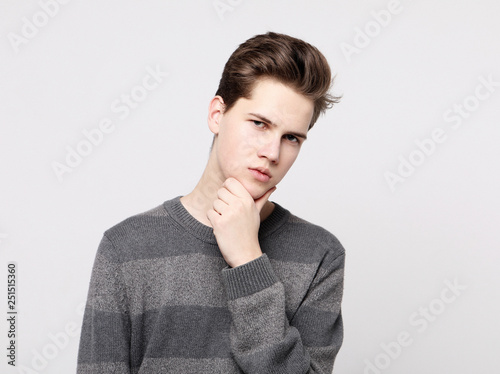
column 235, row 219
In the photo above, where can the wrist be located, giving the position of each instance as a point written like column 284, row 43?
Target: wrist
column 249, row 278
column 244, row 257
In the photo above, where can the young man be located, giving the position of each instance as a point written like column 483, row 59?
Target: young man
column 222, row 280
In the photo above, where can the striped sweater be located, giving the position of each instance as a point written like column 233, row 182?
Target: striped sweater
column 163, row 300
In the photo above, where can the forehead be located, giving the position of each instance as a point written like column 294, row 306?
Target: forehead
column 280, row 103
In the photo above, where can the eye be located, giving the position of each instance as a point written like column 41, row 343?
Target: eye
column 291, row 138
column 259, row 124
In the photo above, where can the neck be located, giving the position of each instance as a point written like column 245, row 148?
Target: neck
column 200, row 200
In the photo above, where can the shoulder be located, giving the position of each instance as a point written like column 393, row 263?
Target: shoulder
column 316, row 235
column 139, row 235
column 304, row 240
column 137, row 223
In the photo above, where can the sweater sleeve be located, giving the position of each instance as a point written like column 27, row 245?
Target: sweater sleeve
column 264, row 340
column 105, row 336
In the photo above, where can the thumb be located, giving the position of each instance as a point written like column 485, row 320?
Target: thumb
column 261, row 201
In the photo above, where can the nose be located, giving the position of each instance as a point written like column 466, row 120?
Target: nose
column 271, row 149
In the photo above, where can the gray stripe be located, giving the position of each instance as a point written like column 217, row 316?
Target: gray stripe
column 318, row 328
column 154, row 236
column 308, row 248
column 202, row 284
column 106, row 292
column 296, row 279
column 249, row 278
column 268, row 322
column 146, row 237
column 322, row 358
column 109, row 334
column 326, row 292
column 154, row 283
column 295, row 360
column 105, row 367
column 189, row 366
column 174, row 331
column 181, row 331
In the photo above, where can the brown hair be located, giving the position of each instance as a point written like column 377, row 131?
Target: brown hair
column 289, row 60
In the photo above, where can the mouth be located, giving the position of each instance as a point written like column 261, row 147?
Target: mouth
column 261, row 174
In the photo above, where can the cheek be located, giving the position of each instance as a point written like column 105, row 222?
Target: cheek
column 235, row 152
column 289, row 156
column 252, row 138
column 287, row 159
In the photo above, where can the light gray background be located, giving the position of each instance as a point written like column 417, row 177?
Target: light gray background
column 403, row 245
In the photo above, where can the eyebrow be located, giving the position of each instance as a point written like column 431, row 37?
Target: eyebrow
column 264, row 119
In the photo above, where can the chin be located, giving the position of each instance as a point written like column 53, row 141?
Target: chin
column 255, row 190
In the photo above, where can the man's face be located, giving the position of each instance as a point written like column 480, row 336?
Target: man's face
column 259, row 138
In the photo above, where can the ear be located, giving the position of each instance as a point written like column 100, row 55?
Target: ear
column 215, row 113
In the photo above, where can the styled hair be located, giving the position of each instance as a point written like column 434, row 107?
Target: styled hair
column 289, row 60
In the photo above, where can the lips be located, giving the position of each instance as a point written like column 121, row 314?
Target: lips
column 263, row 171
column 261, row 174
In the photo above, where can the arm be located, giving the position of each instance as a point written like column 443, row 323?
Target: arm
column 263, row 340
column 105, row 338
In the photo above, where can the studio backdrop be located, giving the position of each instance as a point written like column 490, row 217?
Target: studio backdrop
column 103, row 115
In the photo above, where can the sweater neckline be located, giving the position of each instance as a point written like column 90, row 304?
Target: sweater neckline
column 179, row 213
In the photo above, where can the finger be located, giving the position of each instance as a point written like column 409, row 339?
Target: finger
column 261, row 201
column 212, row 215
column 219, row 206
column 225, row 195
column 235, row 187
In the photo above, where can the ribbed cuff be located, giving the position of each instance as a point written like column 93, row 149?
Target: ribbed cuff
column 249, row 278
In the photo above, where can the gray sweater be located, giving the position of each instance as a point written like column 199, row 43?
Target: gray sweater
column 163, row 300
